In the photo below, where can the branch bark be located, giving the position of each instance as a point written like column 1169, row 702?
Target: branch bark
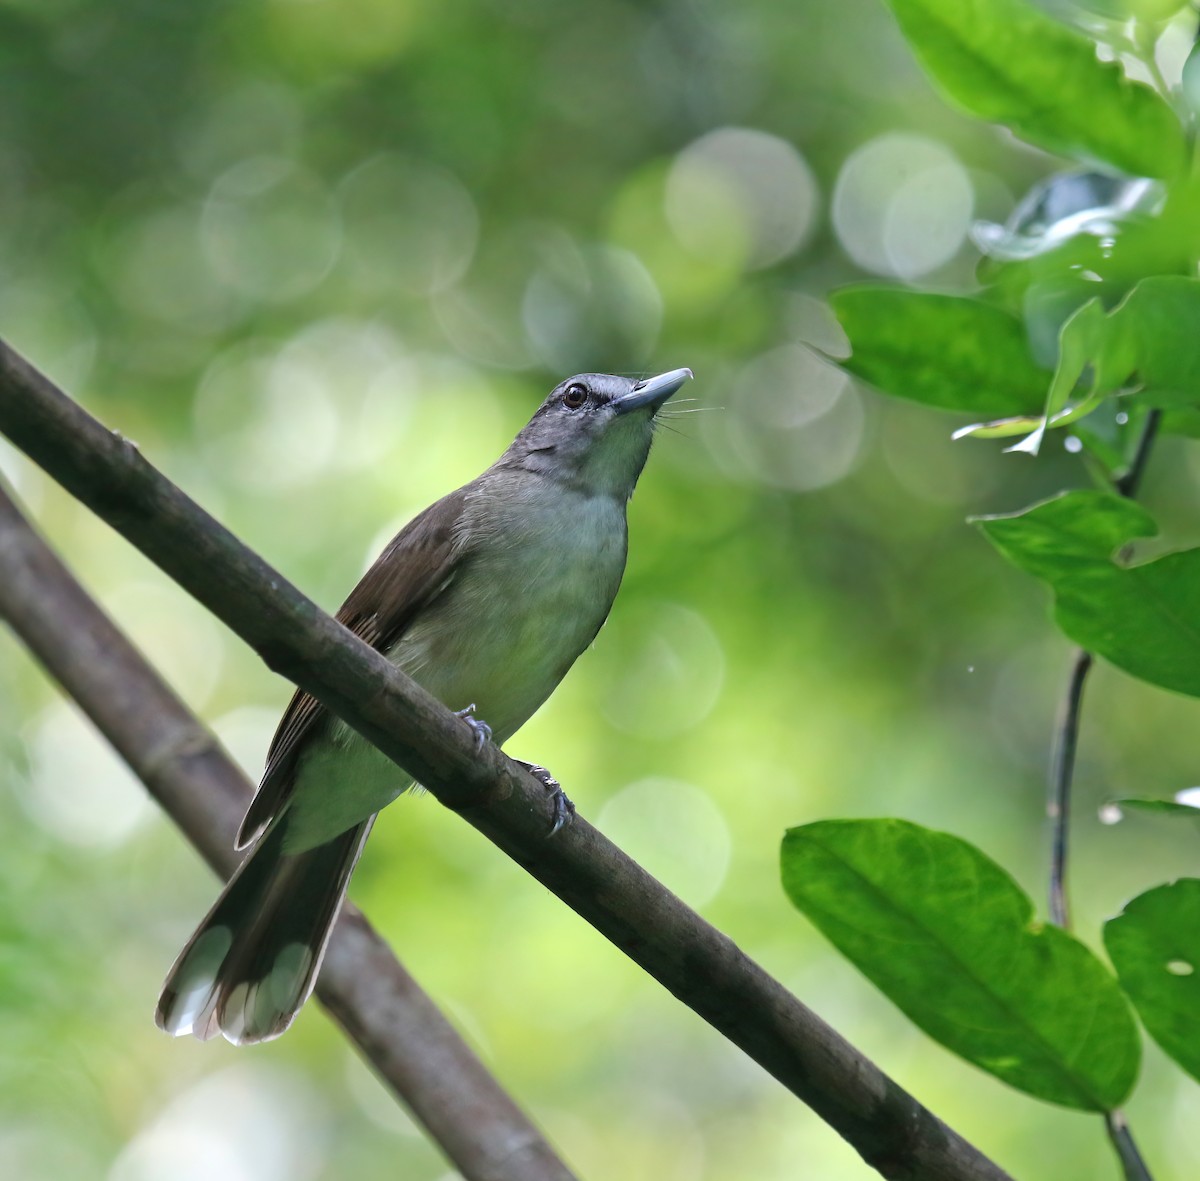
column 395, row 1025
column 702, row 967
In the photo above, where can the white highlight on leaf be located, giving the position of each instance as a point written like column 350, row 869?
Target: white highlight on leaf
column 1189, row 796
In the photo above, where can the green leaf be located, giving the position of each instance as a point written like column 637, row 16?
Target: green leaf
column 1189, row 82
column 1087, row 338
column 1005, row 61
column 951, row 939
column 1142, row 10
column 1184, row 421
column 1161, row 807
column 943, row 350
column 1064, row 205
column 1000, row 428
column 1154, row 944
column 1157, row 325
column 1151, row 333
column 1145, row 619
column 1104, row 447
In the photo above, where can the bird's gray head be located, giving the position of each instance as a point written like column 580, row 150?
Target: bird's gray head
column 594, row 430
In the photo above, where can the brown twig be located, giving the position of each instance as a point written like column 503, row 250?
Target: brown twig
column 399, row 1030
column 698, row 964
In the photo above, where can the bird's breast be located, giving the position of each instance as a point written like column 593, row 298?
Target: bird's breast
column 535, row 585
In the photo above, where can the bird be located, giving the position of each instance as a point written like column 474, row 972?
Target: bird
column 485, row 599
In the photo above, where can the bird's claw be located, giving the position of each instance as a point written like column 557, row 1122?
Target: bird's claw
column 563, row 808
column 480, row 728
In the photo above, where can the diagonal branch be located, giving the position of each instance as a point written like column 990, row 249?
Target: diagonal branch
column 383, row 1010
column 698, row 964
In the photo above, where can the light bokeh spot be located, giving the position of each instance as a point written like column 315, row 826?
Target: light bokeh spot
column 902, row 205
column 245, row 733
column 338, row 394
column 247, row 1123
column 741, row 195
column 793, row 421
column 180, row 638
column 147, row 258
column 409, row 224
column 694, row 860
column 587, row 306
column 270, row 229
column 253, row 117
column 668, row 668
column 78, row 789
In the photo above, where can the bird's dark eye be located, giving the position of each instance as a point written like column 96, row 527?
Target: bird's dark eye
column 575, row 396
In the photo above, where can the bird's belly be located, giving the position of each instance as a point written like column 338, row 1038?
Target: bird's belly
column 340, row 779
column 504, row 637
column 500, row 636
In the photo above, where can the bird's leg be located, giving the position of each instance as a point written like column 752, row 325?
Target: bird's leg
column 563, row 808
column 480, row 728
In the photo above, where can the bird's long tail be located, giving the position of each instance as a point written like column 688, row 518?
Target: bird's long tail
column 252, row 962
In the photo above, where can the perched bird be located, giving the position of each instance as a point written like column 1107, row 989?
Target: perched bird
column 485, row 599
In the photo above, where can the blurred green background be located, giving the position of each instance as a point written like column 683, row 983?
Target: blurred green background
column 321, row 259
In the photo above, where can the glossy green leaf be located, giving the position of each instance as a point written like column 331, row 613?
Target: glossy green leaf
column 943, row 350
column 1103, row 449
column 1156, row 326
column 1088, row 338
column 1143, row 10
column 1064, row 205
column 1005, row 61
column 1143, row 618
column 1189, row 82
column 1149, row 340
column 952, row 940
column 1159, row 807
column 999, row 428
column 1154, row 944
column 1184, row 420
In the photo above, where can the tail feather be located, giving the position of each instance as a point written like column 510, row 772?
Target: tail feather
column 252, row 962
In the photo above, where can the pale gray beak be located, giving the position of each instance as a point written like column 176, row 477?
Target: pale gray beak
column 651, row 392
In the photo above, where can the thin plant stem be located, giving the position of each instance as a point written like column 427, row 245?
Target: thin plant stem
column 1130, row 480
column 1127, row 1151
column 1061, row 779
column 1062, row 759
column 1058, row 803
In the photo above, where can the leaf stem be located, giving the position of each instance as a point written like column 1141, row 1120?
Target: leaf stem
column 1128, row 483
column 1061, row 778
column 1062, row 758
column 1062, row 772
column 1122, row 1141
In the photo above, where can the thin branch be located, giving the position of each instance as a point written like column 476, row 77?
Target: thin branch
column 1062, row 771
column 1062, row 757
column 1121, row 1137
column 1130, row 481
column 395, row 1025
column 1061, row 780
column 698, row 964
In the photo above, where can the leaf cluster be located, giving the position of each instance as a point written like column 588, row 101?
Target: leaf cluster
column 1085, row 328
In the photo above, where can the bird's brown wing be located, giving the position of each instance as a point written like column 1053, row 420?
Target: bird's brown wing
column 417, row 565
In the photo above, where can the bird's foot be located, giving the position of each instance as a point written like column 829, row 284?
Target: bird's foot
column 480, row 728
column 563, row 808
